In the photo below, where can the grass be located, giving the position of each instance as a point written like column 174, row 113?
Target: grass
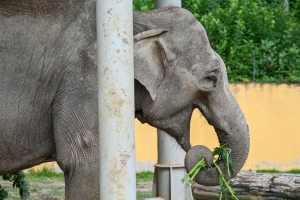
column 143, row 194
column 13, row 193
column 144, row 176
column 275, row 171
column 56, row 190
column 40, row 184
column 294, row 171
column 48, row 190
column 44, row 175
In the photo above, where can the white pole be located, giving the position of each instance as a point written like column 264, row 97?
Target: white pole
column 170, row 167
column 116, row 99
column 164, row 3
column 161, row 134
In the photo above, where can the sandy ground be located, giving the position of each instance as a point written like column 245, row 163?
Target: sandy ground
column 54, row 190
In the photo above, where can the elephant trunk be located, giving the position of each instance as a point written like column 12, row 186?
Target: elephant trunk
column 239, row 143
column 237, row 139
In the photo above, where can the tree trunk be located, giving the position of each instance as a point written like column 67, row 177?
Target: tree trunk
column 252, row 185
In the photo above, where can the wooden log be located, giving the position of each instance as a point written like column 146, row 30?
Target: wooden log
column 252, row 185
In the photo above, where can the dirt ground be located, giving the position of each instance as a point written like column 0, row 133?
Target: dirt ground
column 144, row 187
column 54, row 190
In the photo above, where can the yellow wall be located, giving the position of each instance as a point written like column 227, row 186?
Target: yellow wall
column 272, row 112
column 273, row 115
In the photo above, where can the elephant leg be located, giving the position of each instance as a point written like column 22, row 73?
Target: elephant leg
column 81, row 177
column 77, row 145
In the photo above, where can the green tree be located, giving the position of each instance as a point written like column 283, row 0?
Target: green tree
column 239, row 29
column 143, row 5
column 260, row 33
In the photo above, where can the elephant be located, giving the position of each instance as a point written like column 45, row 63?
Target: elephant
column 48, row 93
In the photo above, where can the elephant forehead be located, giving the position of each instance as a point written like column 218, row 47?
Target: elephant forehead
column 187, row 36
column 199, row 57
column 203, row 54
column 198, row 34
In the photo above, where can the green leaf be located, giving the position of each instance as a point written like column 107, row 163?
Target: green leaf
column 236, row 29
column 224, row 154
column 194, row 171
column 3, row 194
column 7, row 177
column 19, row 181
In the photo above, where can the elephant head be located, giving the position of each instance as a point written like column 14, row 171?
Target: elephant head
column 177, row 71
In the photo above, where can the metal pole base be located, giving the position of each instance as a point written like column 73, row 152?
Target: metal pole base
column 167, row 183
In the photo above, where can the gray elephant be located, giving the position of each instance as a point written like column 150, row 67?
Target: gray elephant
column 48, row 94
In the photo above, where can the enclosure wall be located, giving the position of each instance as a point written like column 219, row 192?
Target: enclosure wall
column 272, row 112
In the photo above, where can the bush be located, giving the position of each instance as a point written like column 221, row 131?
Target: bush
column 258, row 40
column 143, row 5
column 257, row 34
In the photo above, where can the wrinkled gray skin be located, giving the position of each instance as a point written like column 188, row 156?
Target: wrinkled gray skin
column 48, row 91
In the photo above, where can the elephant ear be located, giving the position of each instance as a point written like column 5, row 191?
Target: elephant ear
column 150, row 59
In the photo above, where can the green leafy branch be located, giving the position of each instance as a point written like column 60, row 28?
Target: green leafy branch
column 224, row 154
column 193, row 173
column 3, row 193
column 19, row 181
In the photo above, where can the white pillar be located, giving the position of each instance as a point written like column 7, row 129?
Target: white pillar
column 169, row 169
column 162, row 137
column 164, row 3
column 116, row 99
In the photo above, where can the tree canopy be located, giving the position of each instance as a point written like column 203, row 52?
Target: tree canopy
column 258, row 40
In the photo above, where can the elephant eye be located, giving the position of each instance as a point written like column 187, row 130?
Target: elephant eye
column 209, row 81
column 211, row 77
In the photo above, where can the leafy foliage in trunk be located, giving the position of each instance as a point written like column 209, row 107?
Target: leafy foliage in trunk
column 223, row 153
